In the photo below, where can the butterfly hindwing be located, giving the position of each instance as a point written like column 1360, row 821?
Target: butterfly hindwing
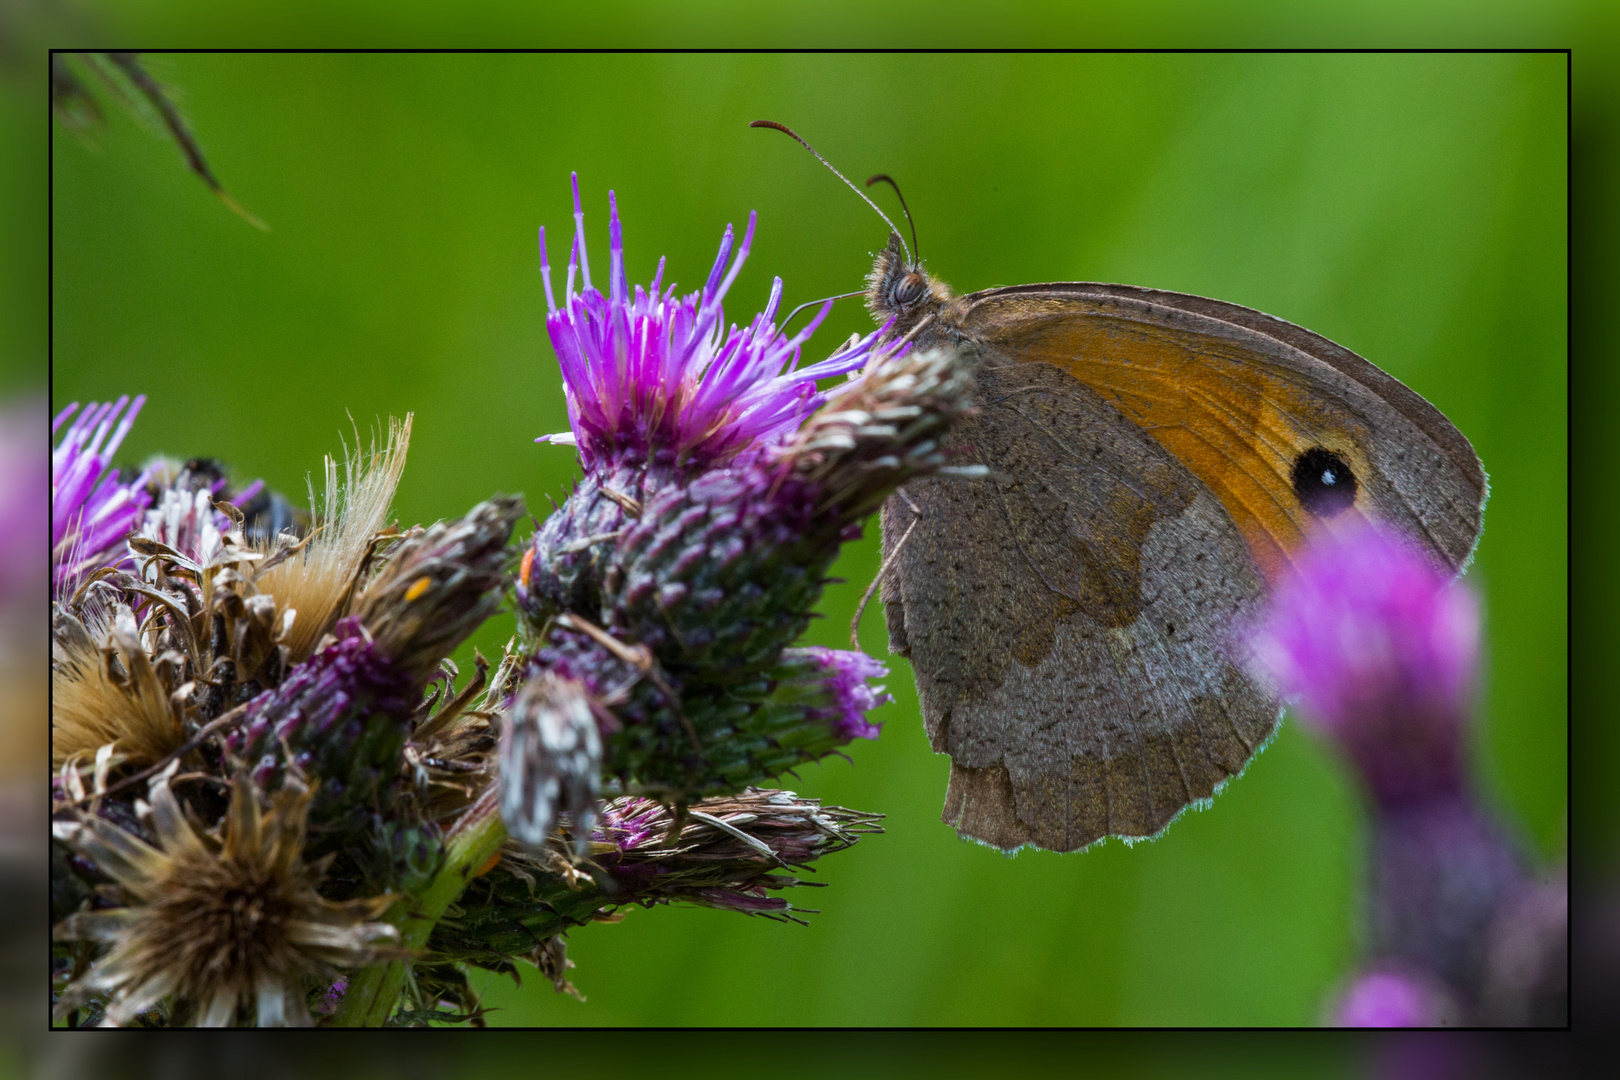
column 1087, row 688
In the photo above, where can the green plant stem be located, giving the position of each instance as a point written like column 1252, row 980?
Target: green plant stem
column 374, row 991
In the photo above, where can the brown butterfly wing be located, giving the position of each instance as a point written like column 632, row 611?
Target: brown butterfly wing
column 1238, row 396
column 1070, row 617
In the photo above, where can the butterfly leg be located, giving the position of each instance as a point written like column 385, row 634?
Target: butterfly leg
column 888, row 563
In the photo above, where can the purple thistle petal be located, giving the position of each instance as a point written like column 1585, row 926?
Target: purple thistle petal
column 545, row 273
column 846, row 673
column 579, row 235
column 646, row 371
column 91, row 512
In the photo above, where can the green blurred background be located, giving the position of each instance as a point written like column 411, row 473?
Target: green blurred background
column 1411, row 207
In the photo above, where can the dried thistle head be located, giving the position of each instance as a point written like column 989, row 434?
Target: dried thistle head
column 230, row 927
column 107, row 690
column 210, row 615
column 320, row 581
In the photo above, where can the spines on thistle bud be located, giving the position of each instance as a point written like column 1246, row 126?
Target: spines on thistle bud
column 719, row 575
column 734, row 853
column 880, row 429
column 438, row 586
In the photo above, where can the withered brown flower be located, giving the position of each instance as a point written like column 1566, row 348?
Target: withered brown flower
column 230, row 928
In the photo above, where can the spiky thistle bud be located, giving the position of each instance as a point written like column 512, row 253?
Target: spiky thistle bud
column 345, row 713
column 880, row 429
column 734, row 853
column 438, row 585
column 719, row 575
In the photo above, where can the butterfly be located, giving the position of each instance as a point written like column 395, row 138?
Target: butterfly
column 1153, row 461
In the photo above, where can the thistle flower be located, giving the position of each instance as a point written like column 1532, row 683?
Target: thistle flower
column 649, row 375
column 91, row 511
column 232, row 927
column 836, row 690
column 657, row 386
column 1380, row 647
column 719, row 485
column 733, row 853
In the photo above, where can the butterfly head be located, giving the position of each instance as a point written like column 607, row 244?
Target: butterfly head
column 901, row 289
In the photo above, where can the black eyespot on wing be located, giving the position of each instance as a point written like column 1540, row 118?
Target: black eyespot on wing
column 1324, row 482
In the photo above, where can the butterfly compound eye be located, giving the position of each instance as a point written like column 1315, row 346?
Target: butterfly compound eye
column 1324, row 482
column 908, row 291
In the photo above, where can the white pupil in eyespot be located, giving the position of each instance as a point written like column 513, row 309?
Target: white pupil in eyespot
column 1329, row 478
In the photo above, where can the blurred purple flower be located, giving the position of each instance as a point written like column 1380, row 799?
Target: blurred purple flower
column 22, row 500
column 1392, row 999
column 653, row 372
column 91, row 512
column 1380, row 648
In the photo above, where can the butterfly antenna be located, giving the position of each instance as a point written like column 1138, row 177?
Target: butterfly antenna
column 790, row 133
column 817, row 303
column 885, row 178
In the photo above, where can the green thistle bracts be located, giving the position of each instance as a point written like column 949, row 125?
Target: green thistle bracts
column 733, row 853
column 717, row 577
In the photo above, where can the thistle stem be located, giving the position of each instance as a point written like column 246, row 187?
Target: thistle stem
column 374, row 991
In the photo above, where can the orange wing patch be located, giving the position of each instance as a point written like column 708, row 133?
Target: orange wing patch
column 1237, row 425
